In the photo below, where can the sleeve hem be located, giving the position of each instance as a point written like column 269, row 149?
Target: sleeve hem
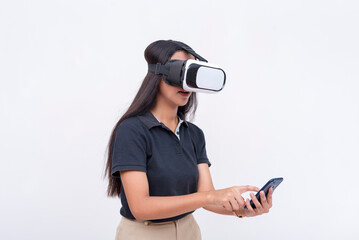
column 204, row 160
column 116, row 170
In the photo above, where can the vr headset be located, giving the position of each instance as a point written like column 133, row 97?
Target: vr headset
column 191, row 75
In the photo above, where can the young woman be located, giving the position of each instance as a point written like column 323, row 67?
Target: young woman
column 157, row 162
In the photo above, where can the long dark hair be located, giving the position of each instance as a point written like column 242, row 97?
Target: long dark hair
column 157, row 52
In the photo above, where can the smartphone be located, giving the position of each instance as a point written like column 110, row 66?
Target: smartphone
column 274, row 182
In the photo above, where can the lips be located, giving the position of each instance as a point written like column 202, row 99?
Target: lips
column 184, row 93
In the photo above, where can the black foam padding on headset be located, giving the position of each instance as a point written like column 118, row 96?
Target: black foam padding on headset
column 174, row 76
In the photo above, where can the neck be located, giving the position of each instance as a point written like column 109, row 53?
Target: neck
column 165, row 112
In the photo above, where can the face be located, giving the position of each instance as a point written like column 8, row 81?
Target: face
column 175, row 95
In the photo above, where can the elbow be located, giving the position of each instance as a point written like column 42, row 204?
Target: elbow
column 140, row 209
column 140, row 218
column 139, row 213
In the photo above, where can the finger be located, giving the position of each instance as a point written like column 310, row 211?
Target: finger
column 264, row 202
column 256, row 202
column 247, row 188
column 234, row 204
column 227, row 206
column 269, row 196
column 249, row 210
column 263, row 199
column 240, row 201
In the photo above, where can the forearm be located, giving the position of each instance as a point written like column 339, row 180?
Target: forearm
column 166, row 207
column 218, row 209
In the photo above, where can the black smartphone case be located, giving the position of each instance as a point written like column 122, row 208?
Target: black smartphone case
column 274, row 182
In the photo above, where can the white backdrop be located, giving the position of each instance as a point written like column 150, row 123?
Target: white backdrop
column 69, row 69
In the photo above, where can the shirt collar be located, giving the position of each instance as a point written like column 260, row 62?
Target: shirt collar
column 150, row 120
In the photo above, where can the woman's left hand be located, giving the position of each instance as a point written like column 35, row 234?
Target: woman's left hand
column 260, row 208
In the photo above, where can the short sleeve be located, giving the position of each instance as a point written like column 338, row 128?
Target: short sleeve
column 129, row 150
column 200, row 145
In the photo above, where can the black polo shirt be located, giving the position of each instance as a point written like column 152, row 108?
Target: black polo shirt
column 143, row 143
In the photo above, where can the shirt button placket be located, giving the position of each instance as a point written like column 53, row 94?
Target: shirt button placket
column 178, row 146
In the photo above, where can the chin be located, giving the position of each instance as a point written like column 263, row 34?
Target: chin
column 182, row 103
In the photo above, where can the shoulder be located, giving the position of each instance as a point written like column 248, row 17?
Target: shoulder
column 194, row 127
column 131, row 122
column 195, row 130
column 130, row 125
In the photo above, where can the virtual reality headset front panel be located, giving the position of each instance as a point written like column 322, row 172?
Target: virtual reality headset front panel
column 191, row 75
column 203, row 77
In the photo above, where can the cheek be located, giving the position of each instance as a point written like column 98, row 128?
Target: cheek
column 168, row 90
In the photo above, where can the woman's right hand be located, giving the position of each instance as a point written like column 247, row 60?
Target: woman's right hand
column 230, row 198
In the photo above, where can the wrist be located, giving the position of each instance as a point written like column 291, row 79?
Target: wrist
column 209, row 197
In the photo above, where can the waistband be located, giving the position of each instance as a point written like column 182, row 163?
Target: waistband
column 146, row 222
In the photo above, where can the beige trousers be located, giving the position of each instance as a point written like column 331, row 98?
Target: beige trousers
column 185, row 228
